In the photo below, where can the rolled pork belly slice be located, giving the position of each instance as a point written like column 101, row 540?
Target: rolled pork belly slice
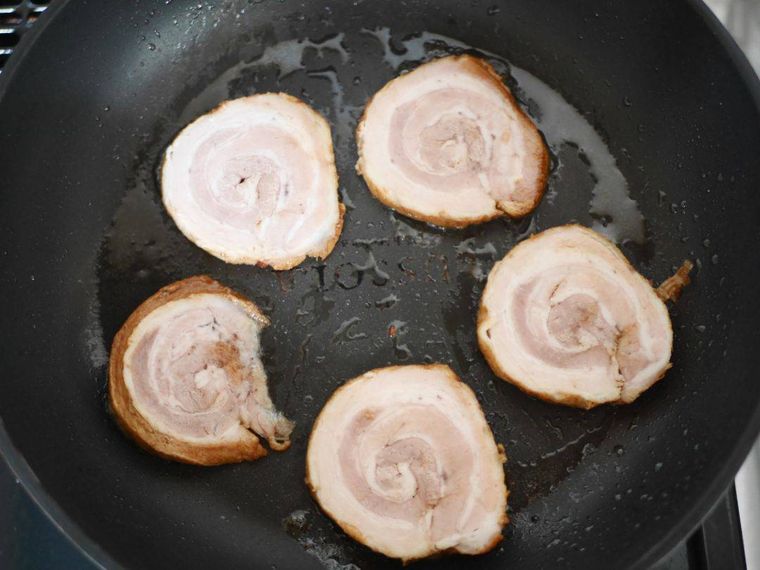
column 186, row 380
column 448, row 144
column 402, row 458
column 565, row 317
column 254, row 181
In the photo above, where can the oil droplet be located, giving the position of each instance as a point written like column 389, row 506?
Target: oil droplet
column 407, row 233
column 351, row 275
column 396, row 330
column 296, row 523
column 387, row 302
column 286, row 57
column 344, row 332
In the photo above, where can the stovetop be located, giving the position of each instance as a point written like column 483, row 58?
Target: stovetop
column 30, row 541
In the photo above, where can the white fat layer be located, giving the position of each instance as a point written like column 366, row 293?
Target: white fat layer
column 507, row 149
column 170, row 346
column 560, row 264
column 389, row 393
column 305, row 216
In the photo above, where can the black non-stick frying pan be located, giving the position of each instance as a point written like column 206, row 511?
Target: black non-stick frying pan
column 100, row 88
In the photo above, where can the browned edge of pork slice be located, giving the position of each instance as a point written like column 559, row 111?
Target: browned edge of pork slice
column 261, row 257
column 139, row 427
column 669, row 291
column 515, row 209
column 364, row 409
column 321, row 254
column 671, row 288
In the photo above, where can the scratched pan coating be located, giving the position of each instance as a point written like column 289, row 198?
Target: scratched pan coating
column 652, row 143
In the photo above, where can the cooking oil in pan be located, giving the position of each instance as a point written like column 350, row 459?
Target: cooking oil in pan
column 394, row 290
column 609, row 207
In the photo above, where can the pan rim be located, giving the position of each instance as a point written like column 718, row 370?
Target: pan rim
column 13, row 458
column 721, row 480
column 684, row 524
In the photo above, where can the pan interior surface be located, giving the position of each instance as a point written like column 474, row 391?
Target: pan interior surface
column 653, row 130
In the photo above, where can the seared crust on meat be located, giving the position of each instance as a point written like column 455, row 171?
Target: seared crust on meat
column 670, row 289
column 320, row 131
column 566, row 394
column 323, row 254
column 532, row 188
column 139, row 427
column 538, row 153
column 351, row 528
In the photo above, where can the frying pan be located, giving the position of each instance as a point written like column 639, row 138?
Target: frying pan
column 647, row 98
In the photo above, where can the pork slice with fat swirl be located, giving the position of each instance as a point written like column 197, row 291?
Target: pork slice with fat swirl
column 186, row 380
column 254, row 181
column 403, row 460
column 566, row 318
column 448, row 144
